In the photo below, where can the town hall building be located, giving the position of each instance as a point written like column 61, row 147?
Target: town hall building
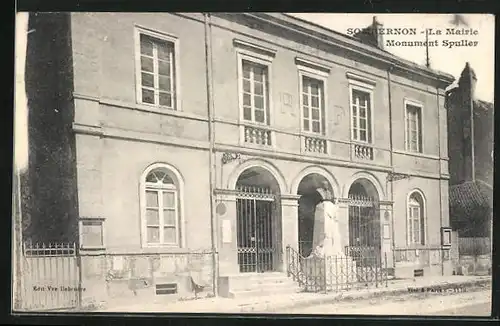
column 168, row 133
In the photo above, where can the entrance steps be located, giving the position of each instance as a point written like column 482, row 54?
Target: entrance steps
column 247, row 285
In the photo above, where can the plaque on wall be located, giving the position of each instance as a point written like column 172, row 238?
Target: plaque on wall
column 446, row 237
column 91, row 233
column 220, row 209
column 386, row 231
column 227, row 234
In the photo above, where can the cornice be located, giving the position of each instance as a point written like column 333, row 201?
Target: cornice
column 321, row 34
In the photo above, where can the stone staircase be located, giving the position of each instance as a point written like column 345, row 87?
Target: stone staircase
column 247, row 285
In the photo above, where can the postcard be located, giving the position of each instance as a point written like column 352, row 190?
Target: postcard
column 305, row 163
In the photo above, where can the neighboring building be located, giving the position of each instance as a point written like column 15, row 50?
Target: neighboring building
column 470, row 147
column 125, row 151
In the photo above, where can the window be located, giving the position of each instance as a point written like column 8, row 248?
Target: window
column 255, row 92
column 361, row 107
column 161, row 208
column 313, row 105
column 413, row 128
column 416, row 220
column 157, row 71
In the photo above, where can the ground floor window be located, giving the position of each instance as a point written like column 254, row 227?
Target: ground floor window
column 161, row 213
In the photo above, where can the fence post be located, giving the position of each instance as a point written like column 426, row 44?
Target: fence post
column 385, row 268
column 287, row 260
column 324, row 274
column 76, row 251
column 336, row 275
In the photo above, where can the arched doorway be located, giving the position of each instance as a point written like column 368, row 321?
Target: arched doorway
column 364, row 222
column 310, row 197
column 258, row 219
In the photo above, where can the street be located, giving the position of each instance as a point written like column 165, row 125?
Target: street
column 463, row 304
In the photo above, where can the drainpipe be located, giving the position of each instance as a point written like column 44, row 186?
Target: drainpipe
column 389, row 95
column 440, row 194
column 211, row 159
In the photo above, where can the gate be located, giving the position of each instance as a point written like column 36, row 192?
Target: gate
column 364, row 231
column 258, row 249
column 49, row 277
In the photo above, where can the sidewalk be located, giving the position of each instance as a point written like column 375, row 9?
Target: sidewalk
column 277, row 303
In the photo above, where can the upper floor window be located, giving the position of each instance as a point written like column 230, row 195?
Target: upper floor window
column 361, row 109
column 313, row 105
column 413, row 128
column 157, row 71
column 416, row 220
column 255, row 92
column 161, row 207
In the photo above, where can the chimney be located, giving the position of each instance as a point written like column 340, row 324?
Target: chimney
column 370, row 35
column 467, row 84
column 468, row 80
column 379, row 38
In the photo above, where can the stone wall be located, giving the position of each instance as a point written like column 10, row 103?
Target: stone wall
column 114, row 279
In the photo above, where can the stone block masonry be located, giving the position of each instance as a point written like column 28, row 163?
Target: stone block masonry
column 123, row 278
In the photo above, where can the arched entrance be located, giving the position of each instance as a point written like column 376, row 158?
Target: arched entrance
column 364, row 222
column 258, row 219
column 310, row 197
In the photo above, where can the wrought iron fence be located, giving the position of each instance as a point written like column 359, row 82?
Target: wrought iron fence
column 49, row 277
column 336, row 273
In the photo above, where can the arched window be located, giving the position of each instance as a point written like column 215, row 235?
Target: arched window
column 161, row 207
column 416, row 219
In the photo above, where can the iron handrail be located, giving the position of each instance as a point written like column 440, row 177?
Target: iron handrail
column 334, row 273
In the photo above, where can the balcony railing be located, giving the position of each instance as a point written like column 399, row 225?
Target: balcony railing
column 363, row 152
column 315, row 145
column 259, row 136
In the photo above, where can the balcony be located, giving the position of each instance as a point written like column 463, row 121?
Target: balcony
column 363, row 152
column 315, row 145
column 258, row 136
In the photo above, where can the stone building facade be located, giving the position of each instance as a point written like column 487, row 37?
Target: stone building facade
column 169, row 133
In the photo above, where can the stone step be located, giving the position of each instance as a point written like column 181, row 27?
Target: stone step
column 263, row 284
column 266, row 290
column 262, row 280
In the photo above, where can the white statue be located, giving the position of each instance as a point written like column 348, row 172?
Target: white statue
column 326, row 236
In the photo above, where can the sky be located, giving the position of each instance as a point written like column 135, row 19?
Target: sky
column 450, row 60
column 442, row 58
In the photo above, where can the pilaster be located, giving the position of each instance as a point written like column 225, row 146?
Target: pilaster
column 227, row 229
column 290, row 218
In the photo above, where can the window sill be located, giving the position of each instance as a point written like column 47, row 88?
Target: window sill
column 362, row 143
column 90, row 249
column 416, row 154
column 148, row 250
column 255, row 125
column 313, row 135
column 152, row 109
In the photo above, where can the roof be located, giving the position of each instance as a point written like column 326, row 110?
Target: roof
column 470, row 196
column 483, row 105
column 331, row 35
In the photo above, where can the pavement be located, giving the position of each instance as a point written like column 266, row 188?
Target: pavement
column 475, row 303
column 282, row 303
